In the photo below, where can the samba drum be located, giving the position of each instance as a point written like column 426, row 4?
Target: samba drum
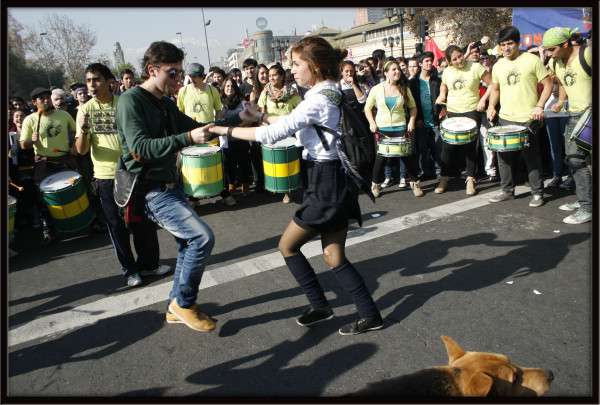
column 506, row 138
column 458, row 130
column 394, row 147
column 202, row 170
column 12, row 209
column 64, row 193
column 281, row 162
column 582, row 132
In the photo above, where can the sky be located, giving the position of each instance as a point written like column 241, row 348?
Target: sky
column 136, row 28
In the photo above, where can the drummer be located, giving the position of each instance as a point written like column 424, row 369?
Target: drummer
column 392, row 97
column 567, row 63
column 515, row 80
column 47, row 133
column 105, row 151
column 460, row 90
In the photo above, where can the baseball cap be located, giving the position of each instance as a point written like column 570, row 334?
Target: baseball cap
column 37, row 91
column 194, row 69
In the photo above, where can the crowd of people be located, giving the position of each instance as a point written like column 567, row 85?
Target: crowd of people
column 428, row 120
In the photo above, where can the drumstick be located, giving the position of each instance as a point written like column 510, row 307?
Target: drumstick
column 59, row 150
column 17, row 187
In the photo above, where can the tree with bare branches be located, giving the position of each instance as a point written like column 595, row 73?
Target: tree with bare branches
column 66, row 44
column 465, row 25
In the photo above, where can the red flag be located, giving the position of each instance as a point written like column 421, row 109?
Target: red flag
column 431, row 46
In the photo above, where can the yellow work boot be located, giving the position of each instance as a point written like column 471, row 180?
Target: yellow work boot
column 416, row 187
column 443, row 185
column 232, row 190
column 192, row 317
column 471, row 186
column 245, row 190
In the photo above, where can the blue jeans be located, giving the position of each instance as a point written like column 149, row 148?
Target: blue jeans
column 429, row 139
column 168, row 207
column 555, row 126
column 145, row 239
column 575, row 159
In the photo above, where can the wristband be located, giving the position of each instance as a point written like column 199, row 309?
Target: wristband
column 262, row 117
column 190, row 137
column 539, row 106
column 229, row 131
column 256, row 116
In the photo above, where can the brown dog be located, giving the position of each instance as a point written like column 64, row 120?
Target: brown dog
column 468, row 374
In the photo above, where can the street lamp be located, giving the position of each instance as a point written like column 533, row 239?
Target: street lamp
column 46, row 57
column 399, row 14
column 205, row 37
column 281, row 46
column 390, row 41
column 181, row 38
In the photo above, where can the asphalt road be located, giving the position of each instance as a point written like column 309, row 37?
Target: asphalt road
column 501, row 278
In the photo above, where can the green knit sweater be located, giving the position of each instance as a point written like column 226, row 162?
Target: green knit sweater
column 139, row 124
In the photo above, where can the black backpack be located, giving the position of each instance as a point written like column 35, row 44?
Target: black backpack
column 356, row 138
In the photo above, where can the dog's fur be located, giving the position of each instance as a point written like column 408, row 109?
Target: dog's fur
column 468, row 374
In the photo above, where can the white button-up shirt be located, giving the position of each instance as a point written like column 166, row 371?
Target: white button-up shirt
column 314, row 109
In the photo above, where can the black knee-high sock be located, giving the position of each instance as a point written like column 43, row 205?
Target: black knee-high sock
column 306, row 277
column 354, row 285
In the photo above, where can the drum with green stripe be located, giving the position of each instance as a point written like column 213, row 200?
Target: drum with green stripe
column 201, row 170
column 12, row 209
column 281, row 162
column 64, row 193
column 458, row 130
column 506, row 138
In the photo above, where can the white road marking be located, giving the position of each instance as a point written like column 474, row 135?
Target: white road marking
column 138, row 298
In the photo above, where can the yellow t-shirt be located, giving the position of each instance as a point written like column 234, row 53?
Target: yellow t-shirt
column 201, row 106
column 385, row 118
column 105, row 144
column 54, row 132
column 576, row 82
column 518, row 81
column 463, row 87
column 278, row 108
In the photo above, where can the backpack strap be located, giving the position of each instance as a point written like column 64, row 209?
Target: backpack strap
column 583, row 62
column 320, row 130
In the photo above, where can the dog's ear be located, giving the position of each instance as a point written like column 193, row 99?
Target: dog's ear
column 453, row 349
column 479, row 385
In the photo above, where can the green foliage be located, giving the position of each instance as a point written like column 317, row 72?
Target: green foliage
column 117, row 70
column 24, row 77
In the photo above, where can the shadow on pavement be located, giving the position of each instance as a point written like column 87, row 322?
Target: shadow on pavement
column 88, row 343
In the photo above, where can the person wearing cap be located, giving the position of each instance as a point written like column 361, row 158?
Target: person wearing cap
column 515, row 80
column 47, row 132
column 197, row 100
column 81, row 97
column 202, row 102
column 575, row 83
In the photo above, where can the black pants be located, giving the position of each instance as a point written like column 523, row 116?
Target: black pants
column 409, row 161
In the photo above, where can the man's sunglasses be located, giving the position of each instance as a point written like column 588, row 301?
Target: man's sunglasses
column 173, row 73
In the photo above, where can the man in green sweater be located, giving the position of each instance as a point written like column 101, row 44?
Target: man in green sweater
column 152, row 130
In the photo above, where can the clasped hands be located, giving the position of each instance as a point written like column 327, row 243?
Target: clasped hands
column 205, row 133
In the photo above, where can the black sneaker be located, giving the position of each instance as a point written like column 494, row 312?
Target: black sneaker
column 362, row 325
column 314, row 315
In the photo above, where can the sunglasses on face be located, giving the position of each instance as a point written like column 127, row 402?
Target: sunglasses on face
column 173, row 73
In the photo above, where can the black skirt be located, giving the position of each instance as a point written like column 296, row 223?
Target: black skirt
column 330, row 199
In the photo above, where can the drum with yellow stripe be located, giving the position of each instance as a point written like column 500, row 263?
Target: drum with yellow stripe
column 202, row 170
column 281, row 162
column 506, row 138
column 64, row 193
column 458, row 130
column 12, row 209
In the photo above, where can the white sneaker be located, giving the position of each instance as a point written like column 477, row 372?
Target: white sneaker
column 134, row 280
column 159, row 271
column 570, row 206
column 579, row 217
column 402, row 183
column 387, row 182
